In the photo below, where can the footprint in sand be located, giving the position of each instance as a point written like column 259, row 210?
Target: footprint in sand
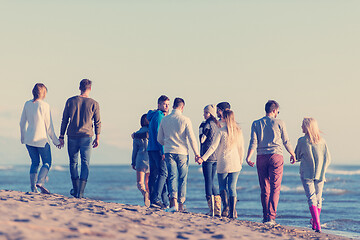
column 21, row 220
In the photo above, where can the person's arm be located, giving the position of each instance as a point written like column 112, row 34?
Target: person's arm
column 134, row 154
column 64, row 122
column 297, row 152
column 286, row 142
column 161, row 136
column 97, row 125
column 214, row 145
column 140, row 135
column 50, row 127
column 241, row 148
column 192, row 139
column 157, row 122
column 252, row 146
column 23, row 121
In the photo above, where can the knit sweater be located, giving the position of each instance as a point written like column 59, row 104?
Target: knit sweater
column 314, row 158
column 174, row 132
column 81, row 112
column 37, row 116
column 229, row 158
column 268, row 134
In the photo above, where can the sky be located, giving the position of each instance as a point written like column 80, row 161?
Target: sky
column 303, row 54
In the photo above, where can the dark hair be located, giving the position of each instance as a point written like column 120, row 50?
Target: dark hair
column 223, row 106
column 38, row 88
column 271, row 105
column 85, row 84
column 163, row 98
column 143, row 121
column 178, row 102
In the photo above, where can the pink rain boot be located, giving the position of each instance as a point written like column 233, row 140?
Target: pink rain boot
column 312, row 221
column 316, row 218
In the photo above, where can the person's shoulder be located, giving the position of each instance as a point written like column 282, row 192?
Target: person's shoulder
column 302, row 139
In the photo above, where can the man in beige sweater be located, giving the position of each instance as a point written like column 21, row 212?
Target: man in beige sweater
column 174, row 133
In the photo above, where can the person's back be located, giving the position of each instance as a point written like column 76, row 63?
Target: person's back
column 176, row 129
column 141, row 147
column 270, row 135
column 82, row 112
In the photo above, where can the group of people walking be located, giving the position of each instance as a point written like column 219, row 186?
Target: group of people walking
column 161, row 152
column 81, row 117
column 161, row 158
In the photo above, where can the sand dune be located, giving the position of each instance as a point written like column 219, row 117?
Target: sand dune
column 40, row 216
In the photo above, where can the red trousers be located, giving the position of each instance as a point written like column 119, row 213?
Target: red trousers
column 270, row 172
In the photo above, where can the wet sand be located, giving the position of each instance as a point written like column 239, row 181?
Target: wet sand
column 41, row 216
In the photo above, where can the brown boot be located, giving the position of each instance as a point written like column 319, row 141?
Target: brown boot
column 210, row 201
column 217, row 205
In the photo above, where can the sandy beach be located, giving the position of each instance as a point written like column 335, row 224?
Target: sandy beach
column 40, row 216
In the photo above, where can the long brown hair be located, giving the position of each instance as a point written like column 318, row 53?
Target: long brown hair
column 233, row 130
column 38, row 90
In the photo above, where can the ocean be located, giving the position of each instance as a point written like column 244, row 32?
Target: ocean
column 341, row 205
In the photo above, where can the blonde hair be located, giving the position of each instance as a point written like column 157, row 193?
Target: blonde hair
column 38, row 90
column 233, row 130
column 311, row 129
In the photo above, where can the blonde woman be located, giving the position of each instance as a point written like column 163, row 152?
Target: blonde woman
column 36, row 126
column 313, row 153
column 229, row 146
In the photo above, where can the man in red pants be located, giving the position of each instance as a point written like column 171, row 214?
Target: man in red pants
column 268, row 134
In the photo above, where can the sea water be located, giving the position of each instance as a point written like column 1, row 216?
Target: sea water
column 341, row 205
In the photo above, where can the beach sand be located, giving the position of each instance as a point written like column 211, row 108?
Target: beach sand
column 41, row 216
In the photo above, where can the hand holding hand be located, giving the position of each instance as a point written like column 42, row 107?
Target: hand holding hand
column 61, row 140
column 250, row 163
column 292, row 159
column 133, row 167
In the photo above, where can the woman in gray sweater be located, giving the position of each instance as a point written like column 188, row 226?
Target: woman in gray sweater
column 140, row 160
column 313, row 153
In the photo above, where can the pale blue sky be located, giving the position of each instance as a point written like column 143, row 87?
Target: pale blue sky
column 304, row 54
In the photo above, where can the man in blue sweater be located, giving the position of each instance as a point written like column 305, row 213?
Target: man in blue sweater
column 158, row 170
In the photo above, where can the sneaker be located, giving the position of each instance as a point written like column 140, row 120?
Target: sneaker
column 157, row 205
column 172, row 209
column 271, row 222
column 43, row 189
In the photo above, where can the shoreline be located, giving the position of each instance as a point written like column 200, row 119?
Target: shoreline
column 40, row 216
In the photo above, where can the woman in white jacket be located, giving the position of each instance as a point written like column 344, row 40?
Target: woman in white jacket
column 35, row 127
column 229, row 146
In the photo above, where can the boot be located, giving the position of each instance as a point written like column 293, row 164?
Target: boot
column 316, row 219
column 217, row 205
column 232, row 208
column 75, row 190
column 225, row 202
column 145, row 194
column 82, row 186
column 210, row 201
column 33, row 177
column 312, row 220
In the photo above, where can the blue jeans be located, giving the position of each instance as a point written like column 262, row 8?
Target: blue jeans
column 157, row 178
column 35, row 154
column 178, row 166
column 84, row 146
column 228, row 180
column 209, row 171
